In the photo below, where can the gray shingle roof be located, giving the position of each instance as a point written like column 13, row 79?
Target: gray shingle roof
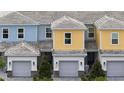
column 22, row 49
column 69, row 53
column 67, row 22
column 88, row 17
column 16, row 18
column 109, row 23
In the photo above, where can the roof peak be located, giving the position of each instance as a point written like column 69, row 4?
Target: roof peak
column 66, row 20
column 105, row 19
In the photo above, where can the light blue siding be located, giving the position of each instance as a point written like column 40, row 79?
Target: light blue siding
column 42, row 31
column 29, row 30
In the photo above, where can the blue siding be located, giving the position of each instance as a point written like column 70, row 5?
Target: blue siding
column 41, row 32
column 30, row 32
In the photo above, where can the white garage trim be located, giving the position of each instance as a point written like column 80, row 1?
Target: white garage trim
column 104, row 60
column 56, row 61
column 32, row 59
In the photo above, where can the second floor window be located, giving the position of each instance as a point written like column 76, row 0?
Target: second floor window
column 91, row 33
column 48, row 33
column 68, row 38
column 20, row 33
column 5, row 33
column 115, row 38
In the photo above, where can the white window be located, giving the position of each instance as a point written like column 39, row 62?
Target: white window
column 20, row 33
column 115, row 38
column 5, row 33
column 91, row 33
column 67, row 38
column 48, row 33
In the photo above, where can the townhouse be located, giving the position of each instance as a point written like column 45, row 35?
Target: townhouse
column 71, row 40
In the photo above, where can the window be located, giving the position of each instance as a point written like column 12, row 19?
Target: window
column 68, row 38
column 20, row 33
column 91, row 33
column 5, row 33
column 114, row 38
column 48, row 33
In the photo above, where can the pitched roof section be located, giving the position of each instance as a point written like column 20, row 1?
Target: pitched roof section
column 22, row 49
column 88, row 17
column 109, row 23
column 67, row 22
column 16, row 18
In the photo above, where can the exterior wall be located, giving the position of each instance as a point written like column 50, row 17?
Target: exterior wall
column 32, row 59
column 106, row 40
column 104, row 60
column 57, row 59
column 30, row 32
column 98, row 38
column 77, row 40
column 42, row 32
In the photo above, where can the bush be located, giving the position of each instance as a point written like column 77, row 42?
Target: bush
column 45, row 69
column 1, row 79
column 42, row 79
column 101, row 78
column 96, row 71
column 2, row 63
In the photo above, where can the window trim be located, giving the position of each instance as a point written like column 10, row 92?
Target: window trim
column 2, row 33
column 23, row 33
column 118, row 38
column 46, row 33
column 70, row 38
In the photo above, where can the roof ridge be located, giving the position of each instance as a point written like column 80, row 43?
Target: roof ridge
column 27, row 17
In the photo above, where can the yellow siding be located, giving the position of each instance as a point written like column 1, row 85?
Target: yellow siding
column 106, row 40
column 77, row 40
column 98, row 38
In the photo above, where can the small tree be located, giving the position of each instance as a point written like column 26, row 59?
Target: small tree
column 96, row 70
column 2, row 63
column 45, row 69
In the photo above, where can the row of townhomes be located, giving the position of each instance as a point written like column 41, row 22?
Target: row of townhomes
column 71, row 40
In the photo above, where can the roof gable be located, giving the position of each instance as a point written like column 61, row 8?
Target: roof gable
column 109, row 23
column 67, row 22
column 22, row 49
column 16, row 18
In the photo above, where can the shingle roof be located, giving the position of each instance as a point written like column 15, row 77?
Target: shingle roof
column 47, row 17
column 67, row 22
column 22, row 49
column 88, row 17
column 16, row 18
column 109, row 23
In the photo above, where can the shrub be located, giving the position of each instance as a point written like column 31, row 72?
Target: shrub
column 100, row 78
column 45, row 69
column 42, row 79
column 1, row 79
column 96, row 70
column 2, row 63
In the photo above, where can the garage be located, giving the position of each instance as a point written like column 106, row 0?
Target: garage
column 115, row 69
column 22, row 60
column 68, row 68
column 21, row 68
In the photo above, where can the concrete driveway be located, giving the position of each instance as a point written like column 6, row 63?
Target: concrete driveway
column 4, row 76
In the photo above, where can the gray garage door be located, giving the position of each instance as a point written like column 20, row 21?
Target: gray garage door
column 115, row 68
column 21, row 68
column 68, row 68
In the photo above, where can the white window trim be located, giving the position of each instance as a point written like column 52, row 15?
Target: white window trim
column 46, row 32
column 111, row 38
column 70, row 38
column 2, row 33
column 23, row 33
